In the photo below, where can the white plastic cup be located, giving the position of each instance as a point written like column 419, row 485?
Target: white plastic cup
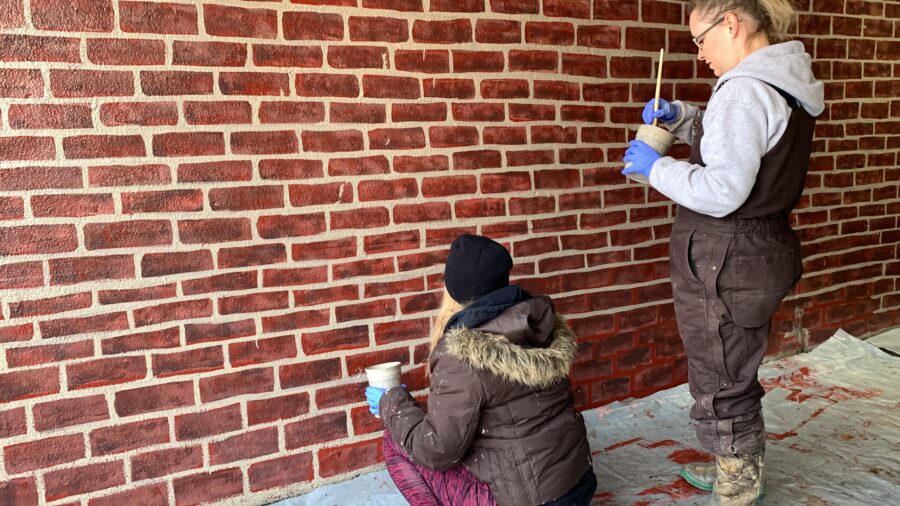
column 386, row 375
column 657, row 138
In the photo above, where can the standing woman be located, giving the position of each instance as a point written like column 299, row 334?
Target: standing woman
column 733, row 255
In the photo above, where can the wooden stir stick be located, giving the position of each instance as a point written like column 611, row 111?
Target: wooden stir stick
column 658, row 84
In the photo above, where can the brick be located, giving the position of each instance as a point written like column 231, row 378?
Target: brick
column 262, row 350
column 189, row 144
column 414, row 213
column 338, row 248
column 272, row 409
column 325, row 295
column 314, row 430
column 390, row 87
column 309, row 373
column 152, row 495
column 254, row 83
column 404, row 330
column 269, row 55
column 219, row 283
column 366, row 310
column 343, row 459
column 235, row 384
column 327, row 85
column 43, row 354
column 332, row 142
column 280, row 472
column 457, row 31
column 103, row 146
column 121, row 175
column 68, row 412
column 449, row 137
column 252, row 255
column 214, row 230
column 73, row 326
column 294, row 225
column 313, row 26
column 49, row 116
column 188, row 362
column 19, row 491
column 295, row 277
column 81, row 15
column 410, row 164
column 176, row 83
column 14, row 15
column 20, row 83
column 12, row 423
column 549, row 34
column 449, row 88
column 290, row 169
column 290, row 112
column 50, row 305
column 71, row 205
column 209, row 54
column 42, row 453
column 208, row 487
column 130, row 436
column 358, row 57
column 208, row 423
column 181, row 310
column 497, row 31
column 31, row 48
column 29, row 383
column 372, row 217
column 84, row 479
column 106, row 371
column 368, row 165
column 244, row 446
column 394, row 241
column 158, row 397
column 255, row 302
column 226, row 21
column 356, row 364
column 338, row 339
column 27, row 148
column 164, row 201
column 377, row 29
column 136, row 113
column 217, row 113
column 164, row 462
column 478, row 61
column 91, row 83
column 480, row 208
column 151, row 17
column 162, row 264
column 246, row 198
column 376, row 267
column 15, row 333
column 237, row 170
column 204, row 332
column 127, row 234
column 126, row 51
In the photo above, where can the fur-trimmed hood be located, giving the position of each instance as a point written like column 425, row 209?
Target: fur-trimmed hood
column 535, row 367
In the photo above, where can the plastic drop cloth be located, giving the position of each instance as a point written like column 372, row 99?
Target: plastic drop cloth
column 833, row 437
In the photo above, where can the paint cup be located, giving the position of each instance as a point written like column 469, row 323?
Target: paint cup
column 386, row 375
column 657, row 138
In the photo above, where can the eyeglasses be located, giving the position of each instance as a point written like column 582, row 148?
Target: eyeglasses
column 698, row 40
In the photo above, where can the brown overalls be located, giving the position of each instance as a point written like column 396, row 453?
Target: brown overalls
column 729, row 276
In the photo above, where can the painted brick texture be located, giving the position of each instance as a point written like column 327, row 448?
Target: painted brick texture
column 214, row 215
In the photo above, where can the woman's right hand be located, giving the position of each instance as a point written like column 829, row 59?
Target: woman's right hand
column 667, row 112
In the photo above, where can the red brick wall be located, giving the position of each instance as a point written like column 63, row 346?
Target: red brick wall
column 214, row 215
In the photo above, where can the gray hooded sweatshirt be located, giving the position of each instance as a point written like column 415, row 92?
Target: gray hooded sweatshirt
column 743, row 121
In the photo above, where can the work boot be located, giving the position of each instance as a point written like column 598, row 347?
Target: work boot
column 739, row 480
column 700, row 474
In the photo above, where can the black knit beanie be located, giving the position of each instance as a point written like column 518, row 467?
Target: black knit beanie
column 476, row 267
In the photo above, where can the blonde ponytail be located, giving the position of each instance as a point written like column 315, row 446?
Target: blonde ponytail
column 774, row 17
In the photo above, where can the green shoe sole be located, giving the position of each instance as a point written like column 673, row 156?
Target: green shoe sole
column 696, row 482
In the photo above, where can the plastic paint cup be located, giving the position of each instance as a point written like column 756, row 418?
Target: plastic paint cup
column 386, row 375
column 657, row 138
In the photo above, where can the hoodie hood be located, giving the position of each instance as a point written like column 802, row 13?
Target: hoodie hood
column 493, row 351
column 786, row 66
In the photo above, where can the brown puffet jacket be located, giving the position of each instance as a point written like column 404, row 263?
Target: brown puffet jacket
column 501, row 404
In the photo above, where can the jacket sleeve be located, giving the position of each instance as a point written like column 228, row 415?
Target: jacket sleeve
column 440, row 438
column 682, row 127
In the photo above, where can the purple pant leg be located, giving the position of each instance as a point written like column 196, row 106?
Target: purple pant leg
column 427, row 487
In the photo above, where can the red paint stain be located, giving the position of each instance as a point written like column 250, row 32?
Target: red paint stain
column 802, row 386
column 690, row 455
column 621, row 444
column 677, row 490
column 603, row 498
column 665, row 442
column 801, row 450
column 780, row 437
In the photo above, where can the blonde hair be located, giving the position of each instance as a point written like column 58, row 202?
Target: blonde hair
column 774, row 17
column 449, row 307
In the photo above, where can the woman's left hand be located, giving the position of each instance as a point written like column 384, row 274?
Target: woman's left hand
column 641, row 156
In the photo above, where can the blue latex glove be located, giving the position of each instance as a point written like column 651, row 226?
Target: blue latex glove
column 667, row 112
column 641, row 156
column 373, row 397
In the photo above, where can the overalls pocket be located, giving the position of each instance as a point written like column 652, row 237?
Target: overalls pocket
column 761, row 282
